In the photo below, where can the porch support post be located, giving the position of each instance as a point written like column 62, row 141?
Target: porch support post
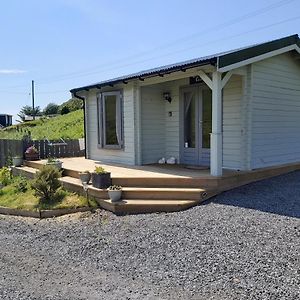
column 216, row 151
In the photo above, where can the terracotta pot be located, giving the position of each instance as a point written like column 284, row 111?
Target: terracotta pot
column 32, row 156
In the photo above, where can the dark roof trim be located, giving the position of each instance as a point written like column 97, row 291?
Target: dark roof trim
column 250, row 52
column 222, row 59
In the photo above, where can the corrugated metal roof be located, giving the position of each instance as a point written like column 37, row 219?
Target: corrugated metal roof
column 225, row 58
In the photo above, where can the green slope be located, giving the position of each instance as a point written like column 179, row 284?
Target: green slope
column 63, row 126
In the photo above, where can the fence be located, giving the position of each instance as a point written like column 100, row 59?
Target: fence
column 9, row 148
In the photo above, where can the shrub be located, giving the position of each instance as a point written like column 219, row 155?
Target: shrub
column 46, row 183
column 31, row 150
column 51, row 109
column 5, row 176
column 21, row 185
column 100, row 170
column 65, row 110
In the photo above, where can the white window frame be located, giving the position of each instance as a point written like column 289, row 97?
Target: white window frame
column 102, row 123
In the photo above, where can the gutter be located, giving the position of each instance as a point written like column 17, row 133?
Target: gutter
column 84, row 121
column 125, row 79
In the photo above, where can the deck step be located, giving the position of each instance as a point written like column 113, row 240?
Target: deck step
column 132, row 193
column 146, row 206
column 170, row 182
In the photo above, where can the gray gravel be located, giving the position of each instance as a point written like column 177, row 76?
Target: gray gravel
column 244, row 244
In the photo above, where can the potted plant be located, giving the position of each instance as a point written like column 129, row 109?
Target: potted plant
column 52, row 161
column 17, row 161
column 100, row 178
column 32, row 153
column 114, row 193
column 85, row 176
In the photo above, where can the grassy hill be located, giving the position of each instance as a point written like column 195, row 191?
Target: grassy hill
column 63, row 126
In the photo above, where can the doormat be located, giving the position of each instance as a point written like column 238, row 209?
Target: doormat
column 197, row 167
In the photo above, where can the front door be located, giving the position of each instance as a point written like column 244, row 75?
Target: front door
column 196, row 109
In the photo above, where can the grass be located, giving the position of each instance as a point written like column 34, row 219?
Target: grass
column 12, row 197
column 69, row 126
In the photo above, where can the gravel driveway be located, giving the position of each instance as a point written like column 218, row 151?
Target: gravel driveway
column 244, row 244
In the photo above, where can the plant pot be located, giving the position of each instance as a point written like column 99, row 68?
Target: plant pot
column 17, row 161
column 56, row 164
column 32, row 156
column 85, row 177
column 115, row 196
column 101, row 181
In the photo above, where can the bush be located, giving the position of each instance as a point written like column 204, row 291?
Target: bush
column 5, row 176
column 51, row 109
column 46, row 184
column 21, row 184
column 65, row 110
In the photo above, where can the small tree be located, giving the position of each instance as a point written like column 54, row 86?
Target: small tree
column 46, row 184
column 28, row 111
column 51, row 109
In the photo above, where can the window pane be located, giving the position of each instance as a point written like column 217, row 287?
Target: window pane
column 189, row 120
column 206, row 118
column 110, row 120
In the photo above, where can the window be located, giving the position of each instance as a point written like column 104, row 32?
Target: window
column 110, row 120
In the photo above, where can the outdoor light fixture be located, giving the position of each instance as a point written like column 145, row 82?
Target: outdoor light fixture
column 167, row 97
column 86, row 189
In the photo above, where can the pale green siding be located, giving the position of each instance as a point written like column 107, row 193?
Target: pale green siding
column 276, row 111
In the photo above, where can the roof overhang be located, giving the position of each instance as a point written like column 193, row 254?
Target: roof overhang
column 224, row 62
column 256, row 53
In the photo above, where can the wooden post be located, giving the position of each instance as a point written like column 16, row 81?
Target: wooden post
column 216, row 151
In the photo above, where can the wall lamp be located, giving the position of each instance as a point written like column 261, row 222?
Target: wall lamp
column 167, row 97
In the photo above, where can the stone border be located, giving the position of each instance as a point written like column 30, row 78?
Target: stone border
column 42, row 214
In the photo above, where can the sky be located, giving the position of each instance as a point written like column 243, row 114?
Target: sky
column 63, row 44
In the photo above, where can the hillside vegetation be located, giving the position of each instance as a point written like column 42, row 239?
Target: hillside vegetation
column 63, row 126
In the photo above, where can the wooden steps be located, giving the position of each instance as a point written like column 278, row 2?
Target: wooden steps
column 166, row 193
column 134, row 199
column 146, row 206
column 170, row 182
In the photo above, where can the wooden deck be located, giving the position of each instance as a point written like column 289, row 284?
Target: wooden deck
column 155, row 188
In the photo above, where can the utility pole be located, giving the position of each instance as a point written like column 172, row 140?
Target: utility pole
column 32, row 94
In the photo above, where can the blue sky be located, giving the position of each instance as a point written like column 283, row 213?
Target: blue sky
column 62, row 44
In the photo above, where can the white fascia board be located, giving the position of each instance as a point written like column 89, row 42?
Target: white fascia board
column 259, row 57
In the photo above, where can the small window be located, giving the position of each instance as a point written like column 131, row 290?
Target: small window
column 110, row 120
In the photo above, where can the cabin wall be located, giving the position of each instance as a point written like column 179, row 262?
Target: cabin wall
column 153, row 124
column 125, row 155
column 275, row 111
column 232, row 123
column 160, row 127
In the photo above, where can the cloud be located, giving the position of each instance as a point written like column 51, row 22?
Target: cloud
column 11, row 71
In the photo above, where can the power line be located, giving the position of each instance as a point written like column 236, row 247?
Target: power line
column 205, row 31
column 182, row 50
column 239, row 19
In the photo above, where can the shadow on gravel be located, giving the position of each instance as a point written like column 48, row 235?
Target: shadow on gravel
column 278, row 195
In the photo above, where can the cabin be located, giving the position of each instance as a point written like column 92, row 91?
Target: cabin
column 237, row 110
column 5, row 120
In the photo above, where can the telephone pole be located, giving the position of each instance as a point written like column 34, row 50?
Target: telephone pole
column 32, row 94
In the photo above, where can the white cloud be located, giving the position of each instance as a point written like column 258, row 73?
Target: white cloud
column 11, row 71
